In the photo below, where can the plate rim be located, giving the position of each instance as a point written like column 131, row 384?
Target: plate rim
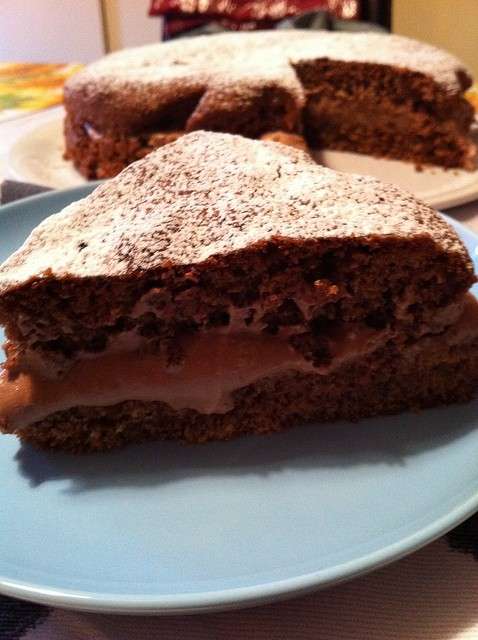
column 242, row 597
column 53, row 117
column 53, row 194
column 232, row 598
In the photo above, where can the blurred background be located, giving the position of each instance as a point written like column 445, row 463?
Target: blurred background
column 72, row 31
column 43, row 42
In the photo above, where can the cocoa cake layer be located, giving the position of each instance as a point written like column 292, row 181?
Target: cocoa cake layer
column 219, row 269
column 324, row 85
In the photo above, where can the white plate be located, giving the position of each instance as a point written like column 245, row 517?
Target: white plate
column 37, row 156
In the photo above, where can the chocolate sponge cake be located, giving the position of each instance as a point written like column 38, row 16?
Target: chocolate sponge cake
column 223, row 286
column 378, row 94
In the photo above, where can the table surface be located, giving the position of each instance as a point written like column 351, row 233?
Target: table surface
column 429, row 595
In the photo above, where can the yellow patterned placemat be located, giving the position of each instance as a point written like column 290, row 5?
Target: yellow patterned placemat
column 28, row 87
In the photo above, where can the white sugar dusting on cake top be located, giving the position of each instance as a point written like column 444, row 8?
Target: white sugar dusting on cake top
column 267, row 55
column 211, row 194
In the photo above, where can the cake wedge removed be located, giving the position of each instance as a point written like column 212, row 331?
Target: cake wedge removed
column 224, row 286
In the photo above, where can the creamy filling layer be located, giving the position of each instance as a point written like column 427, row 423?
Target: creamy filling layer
column 160, row 138
column 214, row 366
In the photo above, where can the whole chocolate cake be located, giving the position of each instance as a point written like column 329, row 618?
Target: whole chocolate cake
column 224, row 286
column 371, row 93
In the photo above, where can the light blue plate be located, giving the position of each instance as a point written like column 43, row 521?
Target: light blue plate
column 165, row 528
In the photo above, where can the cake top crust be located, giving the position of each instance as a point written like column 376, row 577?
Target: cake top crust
column 212, row 194
column 242, row 61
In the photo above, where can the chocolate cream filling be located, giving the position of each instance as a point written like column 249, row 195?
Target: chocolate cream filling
column 214, row 366
column 157, row 139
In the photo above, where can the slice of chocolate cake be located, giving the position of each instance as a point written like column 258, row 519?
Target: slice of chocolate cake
column 371, row 93
column 224, row 286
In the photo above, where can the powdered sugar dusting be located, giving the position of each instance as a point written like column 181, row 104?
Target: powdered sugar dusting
column 245, row 59
column 212, row 194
